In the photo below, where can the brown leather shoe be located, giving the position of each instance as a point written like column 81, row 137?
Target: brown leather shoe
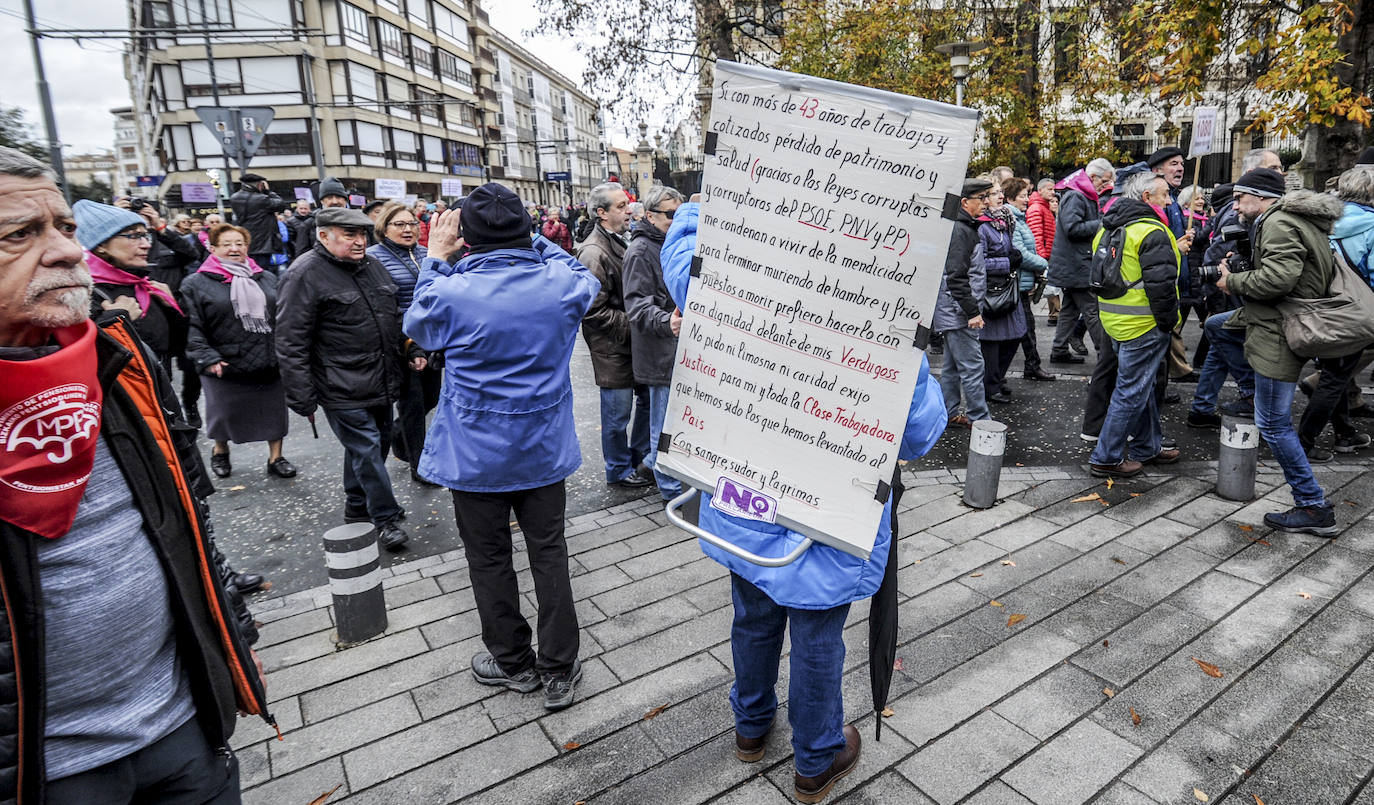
column 814, row 789
column 960, row 421
column 750, row 750
column 1166, row 456
column 1126, row 469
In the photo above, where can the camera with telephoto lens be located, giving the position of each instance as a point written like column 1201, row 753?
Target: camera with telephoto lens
column 1237, row 238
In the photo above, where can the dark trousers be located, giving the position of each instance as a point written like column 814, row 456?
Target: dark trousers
column 365, row 434
column 1329, row 402
column 484, row 526
column 190, row 383
column 1028, row 347
column 997, row 357
column 1076, row 302
column 419, row 395
column 178, row 769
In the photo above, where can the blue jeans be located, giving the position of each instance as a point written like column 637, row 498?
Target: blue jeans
column 815, row 699
column 1132, row 411
column 1274, row 418
column 668, row 486
column 365, row 434
column 963, row 371
column 1225, row 354
column 624, row 452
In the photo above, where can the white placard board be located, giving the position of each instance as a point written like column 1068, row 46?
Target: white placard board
column 450, row 187
column 1204, row 131
column 391, row 188
column 821, row 244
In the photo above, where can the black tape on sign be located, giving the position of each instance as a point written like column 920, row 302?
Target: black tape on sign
column 710, row 149
column 695, row 270
column 665, row 442
column 883, row 491
column 922, row 339
column 951, row 210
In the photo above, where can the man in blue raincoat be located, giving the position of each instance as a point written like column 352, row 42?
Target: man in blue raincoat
column 506, row 317
column 812, row 593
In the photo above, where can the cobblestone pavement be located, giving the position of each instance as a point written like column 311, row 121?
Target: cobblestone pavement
column 1096, row 695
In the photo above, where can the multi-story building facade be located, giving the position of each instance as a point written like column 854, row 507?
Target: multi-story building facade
column 128, row 151
column 363, row 90
column 82, row 169
column 550, row 126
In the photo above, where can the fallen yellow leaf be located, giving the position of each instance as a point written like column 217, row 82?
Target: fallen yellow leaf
column 888, row 712
column 1135, row 717
column 655, row 713
column 995, row 603
column 1247, row 528
column 1208, row 668
column 1135, row 494
column 1201, row 797
column 571, row 745
column 1110, row 483
column 1087, row 498
column 238, row 488
column 1258, row 801
column 1118, row 560
column 1110, row 693
column 1008, row 563
column 1304, row 596
column 320, row 800
column 975, row 575
column 1015, row 619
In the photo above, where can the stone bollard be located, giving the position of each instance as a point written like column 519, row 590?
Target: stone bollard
column 355, row 580
column 1237, row 458
column 987, row 442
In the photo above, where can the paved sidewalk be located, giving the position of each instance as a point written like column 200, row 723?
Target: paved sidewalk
column 1118, row 597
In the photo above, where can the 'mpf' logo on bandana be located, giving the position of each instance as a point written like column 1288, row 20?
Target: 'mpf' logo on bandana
column 51, row 422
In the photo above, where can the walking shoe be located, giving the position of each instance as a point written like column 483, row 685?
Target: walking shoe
column 1167, row 442
column 999, row 397
column 814, row 789
column 1305, row 387
column 246, row 582
column 219, row 465
column 1090, row 438
column 356, row 515
column 193, row 417
column 1191, row 377
column 634, row 480
column 1365, row 411
column 392, row 536
column 1077, row 345
column 1353, row 442
column 1126, row 469
column 421, row 480
column 1318, row 455
column 281, row 468
column 1171, row 397
column 959, row 421
column 486, row 671
column 1168, row 455
column 1052, row 320
column 1065, row 357
column 750, row 750
column 1204, row 420
column 1319, row 520
column 1038, row 374
column 1242, row 407
column 560, row 689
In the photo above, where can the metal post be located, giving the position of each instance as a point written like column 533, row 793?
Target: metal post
column 959, row 92
column 49, row 119
column 1237, row 458
column 987, row 443
column 355, row 580
column 214, row 92
column 236, row 120
column 315, row 142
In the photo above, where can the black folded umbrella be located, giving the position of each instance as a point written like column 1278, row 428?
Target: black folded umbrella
column 882, row 621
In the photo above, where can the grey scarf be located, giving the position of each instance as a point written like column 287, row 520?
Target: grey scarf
column 250, row 303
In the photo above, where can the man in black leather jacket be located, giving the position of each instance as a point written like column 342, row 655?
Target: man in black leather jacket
column 255, row 209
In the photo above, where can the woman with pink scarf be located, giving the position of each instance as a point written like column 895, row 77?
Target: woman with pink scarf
column 232, row 305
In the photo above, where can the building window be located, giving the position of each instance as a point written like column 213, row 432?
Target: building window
column 217, row 12
column 464, row 159
column 451, row 27
column 419, row 12
column 421, row 56
column 465, row 114
column 454, row 69
column 394, row 6
column 354, row 23
column 391, row 40
column 1130, row 138
column 427, row 103
column 1068, row 40
column 292, row 143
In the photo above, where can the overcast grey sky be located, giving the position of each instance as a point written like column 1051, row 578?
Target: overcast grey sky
column 87, row 79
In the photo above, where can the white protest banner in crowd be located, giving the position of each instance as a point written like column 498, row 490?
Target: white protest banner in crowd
column 826, row 214
column 1204, row 131
column 450, row 187
column 391, row 188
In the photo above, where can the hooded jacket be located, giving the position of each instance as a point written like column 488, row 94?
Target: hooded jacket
column 1354, row 234
column 652, row 343
column 823, row 577
column 1158, row 258
column 1292, row 258
column 506, row 321
column 964, row 282
column 607, row 326
column 1040, row 219
column 1079, row 220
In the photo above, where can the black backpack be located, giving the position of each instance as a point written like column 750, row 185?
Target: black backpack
column 1104, row 275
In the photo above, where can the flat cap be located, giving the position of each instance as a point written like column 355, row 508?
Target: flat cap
column 973, row 186
column 342, row 216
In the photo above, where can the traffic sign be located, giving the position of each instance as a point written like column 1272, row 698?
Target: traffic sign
column 558, row 176
column 240, row 130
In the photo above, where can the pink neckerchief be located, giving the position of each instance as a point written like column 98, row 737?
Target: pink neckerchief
column 105, row 274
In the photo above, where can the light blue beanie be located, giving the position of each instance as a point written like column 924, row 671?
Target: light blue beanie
column 97, row 223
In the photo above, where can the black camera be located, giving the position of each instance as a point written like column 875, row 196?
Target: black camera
column 137, row 203
column 1208, row 273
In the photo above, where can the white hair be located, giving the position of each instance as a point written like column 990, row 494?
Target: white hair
column 1138, row 184
column 1101, row 167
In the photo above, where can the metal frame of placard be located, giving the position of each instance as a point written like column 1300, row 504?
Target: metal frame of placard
column 725, row 545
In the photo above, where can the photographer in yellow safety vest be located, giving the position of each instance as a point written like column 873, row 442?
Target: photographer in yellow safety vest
column 1135, row 268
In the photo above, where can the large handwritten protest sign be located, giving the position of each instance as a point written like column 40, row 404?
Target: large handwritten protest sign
column 824, row 224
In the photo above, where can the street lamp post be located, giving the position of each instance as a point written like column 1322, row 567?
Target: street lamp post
column 958, row 53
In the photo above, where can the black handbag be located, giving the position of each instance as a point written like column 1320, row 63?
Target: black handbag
column 1003, row 295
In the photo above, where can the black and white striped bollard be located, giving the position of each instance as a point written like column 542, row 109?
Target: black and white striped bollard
column 1237, row 458
column 355, row 580
column 986, row 443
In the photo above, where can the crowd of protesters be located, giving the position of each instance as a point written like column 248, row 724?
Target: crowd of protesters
column 441, row 334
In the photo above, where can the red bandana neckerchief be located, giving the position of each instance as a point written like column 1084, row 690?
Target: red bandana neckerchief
column 49, row 427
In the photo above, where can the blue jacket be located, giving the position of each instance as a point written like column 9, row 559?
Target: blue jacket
column 1031, row 261
column 823, row 577
column 506, row 322
column 1354, row 233
column 403, row 266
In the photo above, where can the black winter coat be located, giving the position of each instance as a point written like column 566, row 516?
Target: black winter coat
column 216, row 334
column 170, row 258
column 1077, row 225
column 302, row 234
column 257, row 211
column 338, row 334
column 652, row 343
